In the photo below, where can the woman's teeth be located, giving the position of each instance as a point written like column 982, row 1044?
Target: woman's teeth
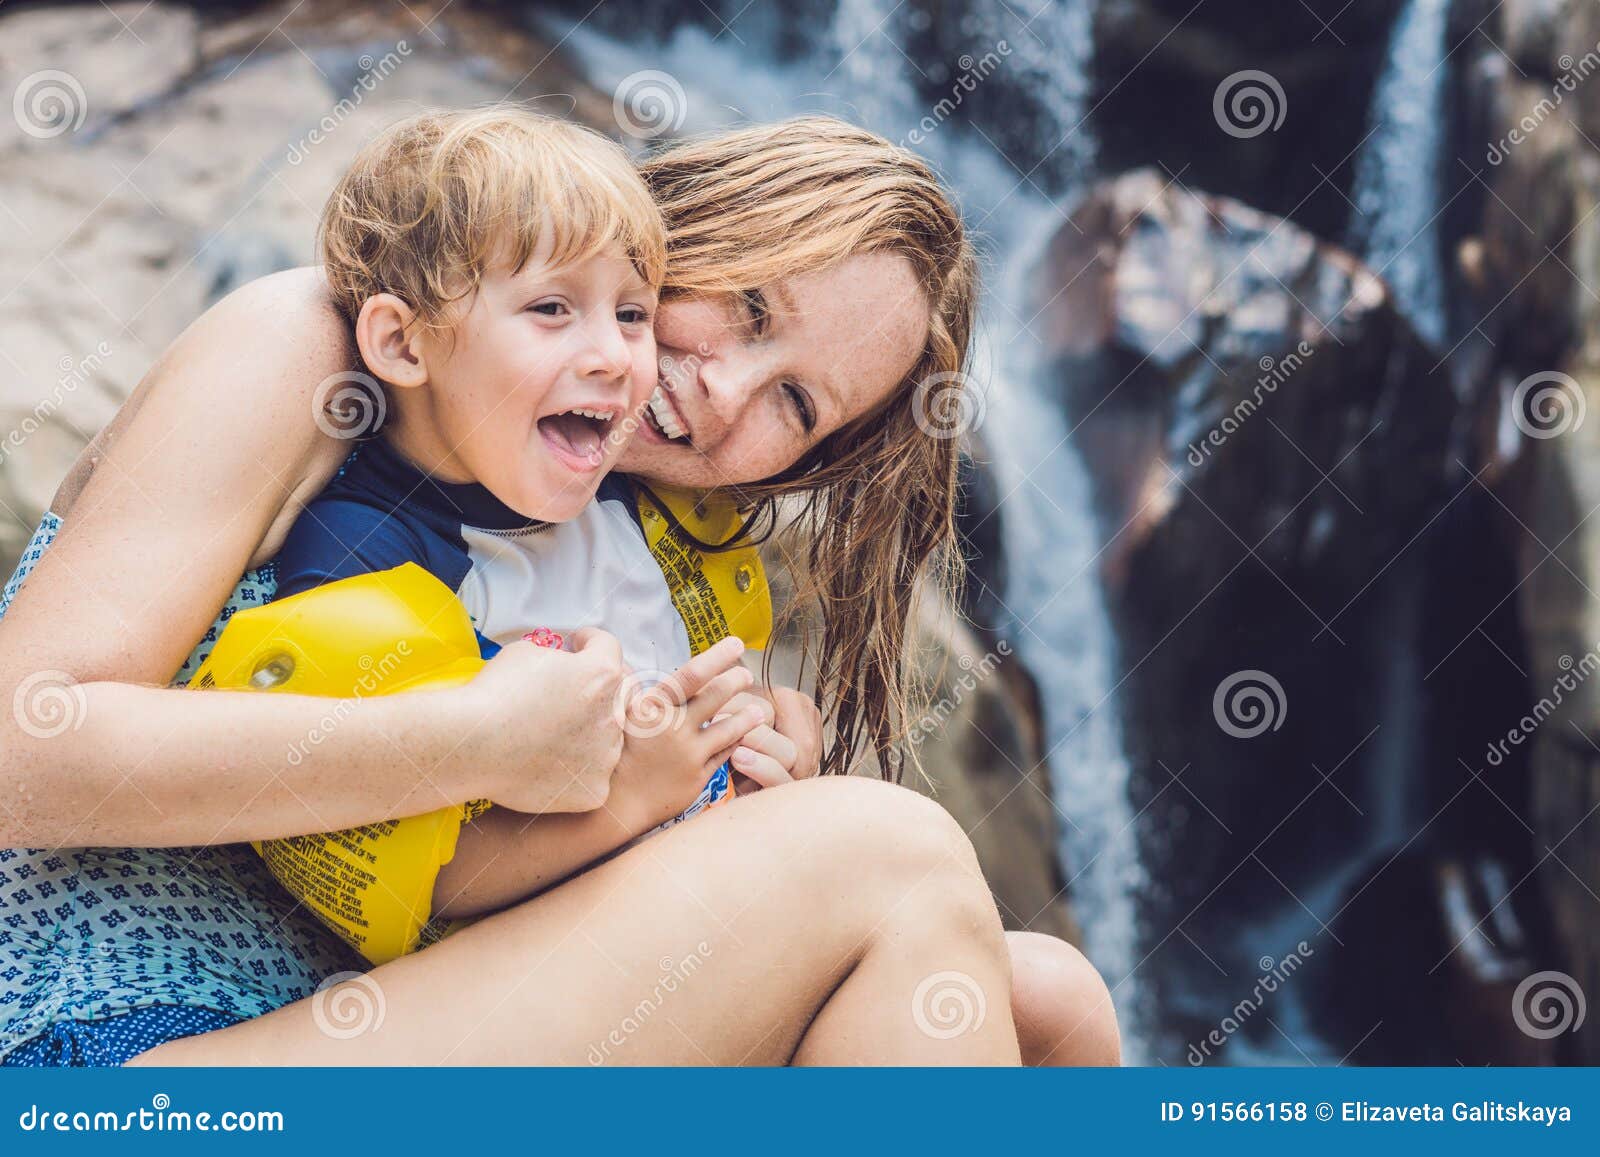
column 662, row 416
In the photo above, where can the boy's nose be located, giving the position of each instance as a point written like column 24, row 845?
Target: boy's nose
column 605, row 355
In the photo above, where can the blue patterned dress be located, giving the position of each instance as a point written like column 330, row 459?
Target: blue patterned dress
column 90, row 933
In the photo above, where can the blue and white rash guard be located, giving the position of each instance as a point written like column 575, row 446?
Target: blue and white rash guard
column 511, row 573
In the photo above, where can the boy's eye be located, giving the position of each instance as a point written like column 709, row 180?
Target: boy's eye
column 633, row 315
column 755, row 304
column 548, row 308
column 802, row 405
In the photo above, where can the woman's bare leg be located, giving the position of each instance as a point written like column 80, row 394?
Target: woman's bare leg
column 832, row 921
column 1061, row 1005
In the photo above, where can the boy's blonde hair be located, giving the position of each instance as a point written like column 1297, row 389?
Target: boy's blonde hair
column 755, row 205
column 438, row 199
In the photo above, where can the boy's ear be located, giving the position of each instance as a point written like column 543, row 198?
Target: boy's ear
column 388, row 345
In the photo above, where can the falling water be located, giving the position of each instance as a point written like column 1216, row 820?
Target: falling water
column 858, row 69
column 1397, row 188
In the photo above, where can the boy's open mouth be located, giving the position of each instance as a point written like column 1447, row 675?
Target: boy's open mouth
column 661, row 417
column 578, row 436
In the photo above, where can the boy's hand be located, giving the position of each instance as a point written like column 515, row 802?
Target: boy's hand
column 786, row 745
column 676, row 733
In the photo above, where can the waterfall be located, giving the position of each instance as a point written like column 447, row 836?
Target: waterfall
column 1397, row 188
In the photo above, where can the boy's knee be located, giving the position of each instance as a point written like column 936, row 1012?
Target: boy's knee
column 1062, row 1006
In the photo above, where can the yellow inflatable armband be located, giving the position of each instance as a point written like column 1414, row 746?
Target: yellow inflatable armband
column 375, row 634
column 403, row 629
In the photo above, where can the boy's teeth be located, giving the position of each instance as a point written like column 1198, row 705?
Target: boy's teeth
column 666, row 420
column 599, row 414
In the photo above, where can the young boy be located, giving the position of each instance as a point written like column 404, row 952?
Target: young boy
column 500, row 272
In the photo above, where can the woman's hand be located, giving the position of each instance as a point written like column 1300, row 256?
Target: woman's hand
column 785, row 746
column 543, row 725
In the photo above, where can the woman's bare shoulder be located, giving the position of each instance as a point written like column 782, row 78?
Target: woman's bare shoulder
column 249, row 369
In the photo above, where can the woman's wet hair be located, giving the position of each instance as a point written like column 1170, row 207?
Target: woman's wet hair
column 874, row 501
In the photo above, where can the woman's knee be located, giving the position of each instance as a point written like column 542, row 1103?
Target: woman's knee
column 1061, row 1004
column 906, row 850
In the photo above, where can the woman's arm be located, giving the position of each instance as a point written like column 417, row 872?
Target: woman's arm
column 218, row 453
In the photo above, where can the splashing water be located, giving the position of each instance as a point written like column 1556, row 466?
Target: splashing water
column 1397, row 187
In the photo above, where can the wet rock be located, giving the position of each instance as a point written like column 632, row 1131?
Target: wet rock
column 1542, row 247
column 1276, row 469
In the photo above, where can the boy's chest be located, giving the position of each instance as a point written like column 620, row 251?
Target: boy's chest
column 594, row 571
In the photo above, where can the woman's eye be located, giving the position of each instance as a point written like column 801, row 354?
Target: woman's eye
column 755, row 304
column 802, row 406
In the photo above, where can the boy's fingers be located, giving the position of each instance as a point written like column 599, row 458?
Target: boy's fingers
column 730, row 729
column 596, row 643
column 715, row 695
column 748, row 698
column 773, row 745
column 689, row 679
column 764, row 770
